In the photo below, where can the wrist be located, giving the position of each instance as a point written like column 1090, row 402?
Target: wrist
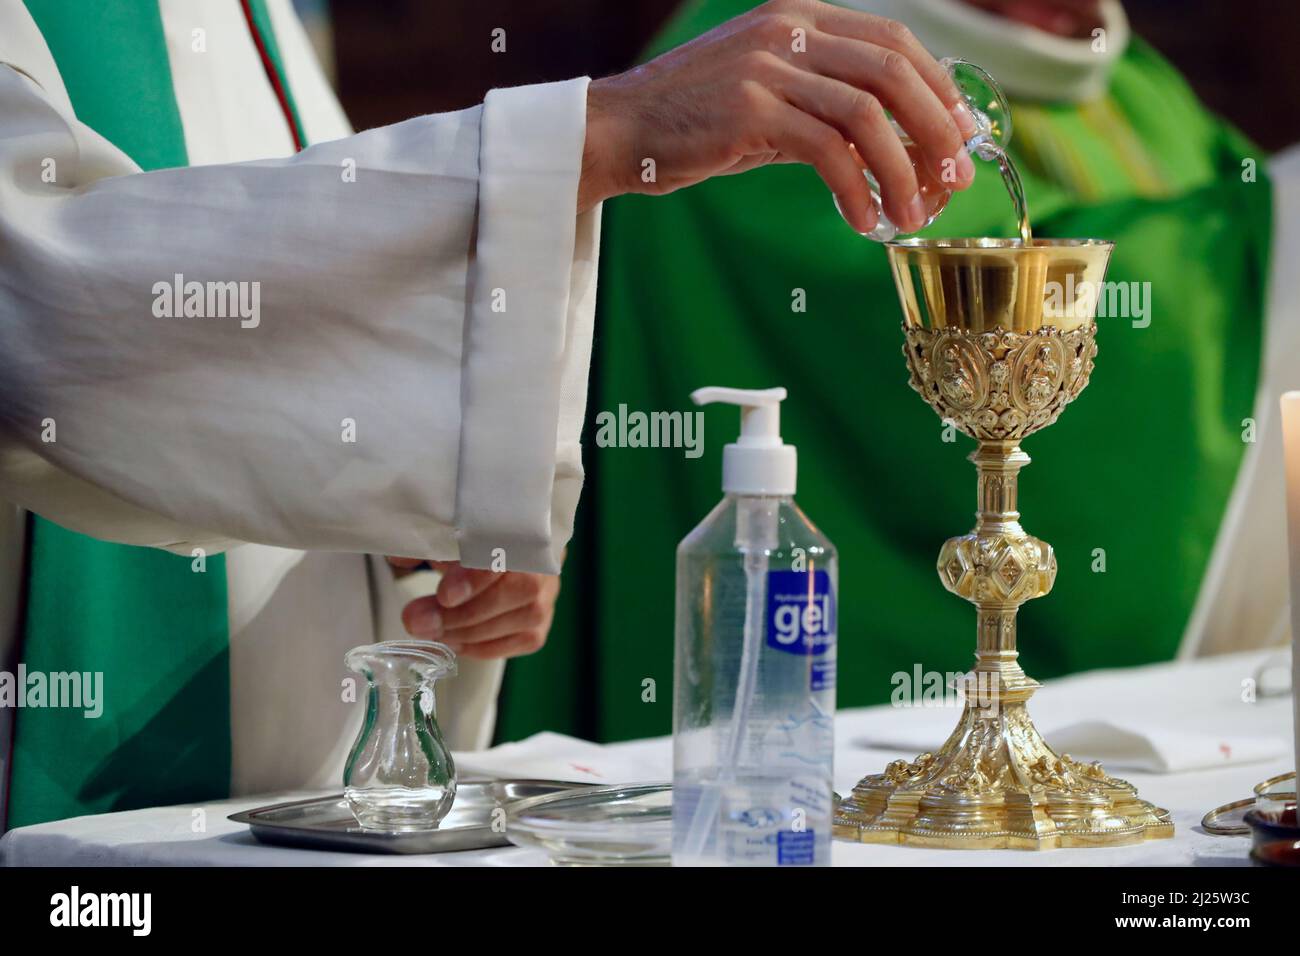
column 604, row 149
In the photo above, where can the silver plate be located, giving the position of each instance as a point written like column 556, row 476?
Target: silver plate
column 326, row 823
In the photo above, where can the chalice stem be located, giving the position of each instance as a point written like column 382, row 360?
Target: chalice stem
column 995, row 781
column 998, row 674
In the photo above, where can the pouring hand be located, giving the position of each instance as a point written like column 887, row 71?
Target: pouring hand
column 790, row 81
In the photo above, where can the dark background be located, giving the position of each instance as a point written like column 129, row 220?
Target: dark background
column 399, row 58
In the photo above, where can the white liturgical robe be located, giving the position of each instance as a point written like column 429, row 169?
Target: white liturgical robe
column 401, row 368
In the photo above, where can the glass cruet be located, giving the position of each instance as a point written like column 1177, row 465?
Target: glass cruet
column 400, row 775
column 992, row 114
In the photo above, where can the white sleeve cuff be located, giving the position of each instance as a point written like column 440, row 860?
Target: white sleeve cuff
column 527, row 343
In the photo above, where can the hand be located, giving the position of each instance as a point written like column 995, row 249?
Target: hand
column 483, row 614
column 790, row 81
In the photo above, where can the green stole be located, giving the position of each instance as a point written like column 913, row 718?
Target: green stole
column 152, row 623
column 696, row 288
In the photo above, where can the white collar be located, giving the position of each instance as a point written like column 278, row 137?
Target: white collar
column 1029, row 63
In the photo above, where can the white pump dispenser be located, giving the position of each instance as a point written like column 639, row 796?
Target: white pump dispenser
column 758, row 462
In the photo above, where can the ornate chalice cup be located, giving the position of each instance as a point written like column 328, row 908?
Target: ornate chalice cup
column 999, row 339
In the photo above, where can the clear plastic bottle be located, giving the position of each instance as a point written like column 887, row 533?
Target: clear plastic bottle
column 754, row 683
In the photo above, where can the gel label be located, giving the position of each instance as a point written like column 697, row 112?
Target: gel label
column 800, row 612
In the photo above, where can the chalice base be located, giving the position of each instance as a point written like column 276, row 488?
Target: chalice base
column 995, row 784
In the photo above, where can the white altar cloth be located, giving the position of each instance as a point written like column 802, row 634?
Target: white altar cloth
column 1206, row 698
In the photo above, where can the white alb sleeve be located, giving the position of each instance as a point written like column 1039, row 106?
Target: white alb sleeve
column 380, row 344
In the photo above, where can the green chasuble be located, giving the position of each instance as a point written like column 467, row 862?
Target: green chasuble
column 152, row 623
column 696, row 288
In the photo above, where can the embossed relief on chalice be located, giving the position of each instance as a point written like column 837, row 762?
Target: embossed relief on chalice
column 999, row 385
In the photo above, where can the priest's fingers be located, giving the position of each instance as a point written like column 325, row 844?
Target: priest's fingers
column 515, row 645
column 517, row 590
column 527, row 626
column 807, row 139
column 459, row 587
column 893, row 35
column 860, row 118
column 896, row 81
column 459, row 584
column 497, row 593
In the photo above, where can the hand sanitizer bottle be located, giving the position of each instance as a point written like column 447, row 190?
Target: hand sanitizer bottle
column 754, row 678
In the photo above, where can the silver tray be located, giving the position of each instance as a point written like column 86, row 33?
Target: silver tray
column 326, row 823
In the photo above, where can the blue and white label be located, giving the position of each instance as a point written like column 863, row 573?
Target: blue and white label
column 822, row 676
column 796, row 849
column 800, row 612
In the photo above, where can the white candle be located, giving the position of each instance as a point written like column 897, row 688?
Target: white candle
column 1291, row 450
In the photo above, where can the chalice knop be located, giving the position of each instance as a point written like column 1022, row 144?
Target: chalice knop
column 1000, row 337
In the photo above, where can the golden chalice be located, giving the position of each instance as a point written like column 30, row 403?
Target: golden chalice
column 999, row 339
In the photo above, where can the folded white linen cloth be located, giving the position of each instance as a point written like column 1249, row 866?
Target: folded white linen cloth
column 549, row 756
column 1195, row 714
column 1152, row 749
column 1159, row 749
